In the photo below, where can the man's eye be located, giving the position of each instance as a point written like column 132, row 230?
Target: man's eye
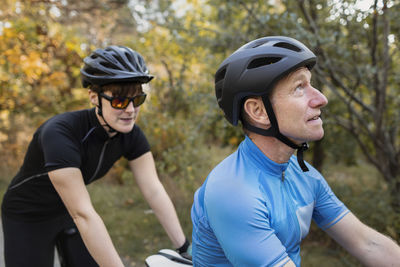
column 299, row 90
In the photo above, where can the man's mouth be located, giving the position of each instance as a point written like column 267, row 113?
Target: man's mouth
column 316, row 117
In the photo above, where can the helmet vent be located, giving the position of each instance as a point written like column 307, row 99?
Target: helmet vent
column 220, row 75
column 255, row 44
column 287, row 46
column 260, row 43
column 218, row 93
column 262, row 61
column 109, row 65
column 129, row 57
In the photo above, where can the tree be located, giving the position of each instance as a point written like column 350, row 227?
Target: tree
column 357, row 50
column 38, row 72
column 179, row 107
column 357, row 64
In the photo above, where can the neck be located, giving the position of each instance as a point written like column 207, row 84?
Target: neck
column 104, row 124
column 272, row 148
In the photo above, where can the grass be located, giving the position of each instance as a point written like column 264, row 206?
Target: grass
column 315, row 255
column 361, row 189
column 136, row 232
column 134, row 229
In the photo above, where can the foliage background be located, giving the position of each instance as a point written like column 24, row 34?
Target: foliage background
column 43, row 42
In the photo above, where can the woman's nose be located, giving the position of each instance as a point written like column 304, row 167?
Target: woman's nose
column 130, row 107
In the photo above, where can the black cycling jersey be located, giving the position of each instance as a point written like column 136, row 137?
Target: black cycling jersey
column 72, row 139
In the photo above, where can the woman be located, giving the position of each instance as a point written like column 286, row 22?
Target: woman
column 47, row 203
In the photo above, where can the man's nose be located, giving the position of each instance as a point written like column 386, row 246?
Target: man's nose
column 318, row 99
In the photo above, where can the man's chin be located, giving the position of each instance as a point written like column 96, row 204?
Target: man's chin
column 309, row 139
column 317, row 138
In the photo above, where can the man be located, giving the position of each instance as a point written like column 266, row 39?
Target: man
column 256, row 206
column 47, row 204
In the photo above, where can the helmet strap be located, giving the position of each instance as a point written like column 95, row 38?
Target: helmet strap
column 100, row 113
column 300, row 160
column 274, row 132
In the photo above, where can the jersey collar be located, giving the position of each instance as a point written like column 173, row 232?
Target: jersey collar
column 252, row 152
column 100, row 132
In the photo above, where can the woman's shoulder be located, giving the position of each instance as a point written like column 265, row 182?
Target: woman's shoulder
column 67, row 122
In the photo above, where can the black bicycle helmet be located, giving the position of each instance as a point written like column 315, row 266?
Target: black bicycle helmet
column 253, row 70
column 114, row 64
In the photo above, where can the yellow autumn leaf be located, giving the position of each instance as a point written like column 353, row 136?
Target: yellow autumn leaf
column 33, row 66
column 233, row 141
column 58, row 79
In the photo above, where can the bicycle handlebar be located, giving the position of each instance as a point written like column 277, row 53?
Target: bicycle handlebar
column 167, row 258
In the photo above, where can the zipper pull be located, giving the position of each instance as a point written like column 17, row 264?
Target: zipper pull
column 283, row 176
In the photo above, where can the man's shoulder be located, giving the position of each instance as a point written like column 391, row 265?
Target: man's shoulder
column 225, row 164
column 232, row 177
column 232, row 168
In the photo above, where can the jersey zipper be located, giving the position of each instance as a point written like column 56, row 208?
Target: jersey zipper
column 100, row 161
column 291, row 207
column 27, row 180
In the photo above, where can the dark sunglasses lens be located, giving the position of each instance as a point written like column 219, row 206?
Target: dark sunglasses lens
column 138, row 100
column 120, row 102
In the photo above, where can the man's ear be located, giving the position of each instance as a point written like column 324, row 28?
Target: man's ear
column 93, row 97
column 256, row 113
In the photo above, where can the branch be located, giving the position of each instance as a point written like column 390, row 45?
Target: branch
column 251, row 13
column 374, row 43
column 348, row 103
column 181, row 75
column 352, row 130
column 332, row 73
column 310, row 21
column 170, row 75
column 381, row 105
column 347, row 90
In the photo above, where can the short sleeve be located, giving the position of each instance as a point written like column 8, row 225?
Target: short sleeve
column 240, row 222
column 328, row 208
column 60, row 147
column 135, row 144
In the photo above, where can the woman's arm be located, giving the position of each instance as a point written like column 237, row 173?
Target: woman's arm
column 145, row 173
column 370, row 247
column 69, row 184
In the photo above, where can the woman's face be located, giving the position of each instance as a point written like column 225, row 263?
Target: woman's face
column 121, row 120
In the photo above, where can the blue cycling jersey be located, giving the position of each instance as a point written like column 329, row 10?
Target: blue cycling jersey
column 252, row 211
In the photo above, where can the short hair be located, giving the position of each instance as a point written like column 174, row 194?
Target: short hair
column 119, row 89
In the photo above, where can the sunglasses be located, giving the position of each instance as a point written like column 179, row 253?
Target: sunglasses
column 121, row 102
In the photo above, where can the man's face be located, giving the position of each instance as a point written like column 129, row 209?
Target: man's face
column 297, row 106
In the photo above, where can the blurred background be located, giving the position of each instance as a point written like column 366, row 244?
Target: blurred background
column 43, row 42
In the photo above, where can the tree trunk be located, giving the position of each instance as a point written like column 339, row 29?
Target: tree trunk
column 394, row 187
column 318, row 155
column 395, row 203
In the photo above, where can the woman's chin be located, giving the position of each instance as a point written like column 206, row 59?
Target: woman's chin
column 125, row 128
